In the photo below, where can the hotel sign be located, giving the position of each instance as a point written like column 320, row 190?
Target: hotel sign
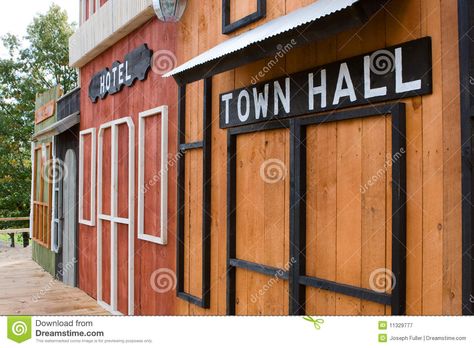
column 110, row 81
column 392, row 73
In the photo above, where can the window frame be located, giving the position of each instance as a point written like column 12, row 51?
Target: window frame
column 163, row 239
column 92, row 133
column 113, row 219
column 228, row 27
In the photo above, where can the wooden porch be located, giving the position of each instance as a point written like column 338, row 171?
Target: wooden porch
column 26, row 289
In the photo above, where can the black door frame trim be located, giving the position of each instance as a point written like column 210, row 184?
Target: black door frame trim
column 232, row 261
column 298, row 212
column 183, row 147
column 466, row 65
column 228, row 27
column 298, row 280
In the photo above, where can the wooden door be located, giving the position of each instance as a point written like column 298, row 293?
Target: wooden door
column 69, row 219
column 115, row 220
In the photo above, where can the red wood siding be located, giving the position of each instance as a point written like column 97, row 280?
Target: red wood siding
column 144, row 95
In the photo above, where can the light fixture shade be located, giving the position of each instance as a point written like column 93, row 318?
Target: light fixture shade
column 169, row 10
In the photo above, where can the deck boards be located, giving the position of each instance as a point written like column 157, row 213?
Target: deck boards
column 26, row 289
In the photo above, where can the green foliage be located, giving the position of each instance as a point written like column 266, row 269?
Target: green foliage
column 35, row 63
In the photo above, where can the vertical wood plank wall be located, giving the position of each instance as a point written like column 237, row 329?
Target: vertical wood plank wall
column 433, row 171
column 150, row 258
column 433, row 162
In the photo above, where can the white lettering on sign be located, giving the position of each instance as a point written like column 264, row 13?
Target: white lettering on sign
column 111, row 79
column 403, row 87
column 284, row 98
column 114, row 69
column 261, row 102
column 226, row 98
column 243, row 116
column 127, row 76
column 102, row 84
column 120, row 73
column 355, row 81
column 315, row 90
column 107, row 81
column 344, row 78
column 370, row 92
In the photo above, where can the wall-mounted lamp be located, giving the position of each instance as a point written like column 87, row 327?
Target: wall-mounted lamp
column 169, row 10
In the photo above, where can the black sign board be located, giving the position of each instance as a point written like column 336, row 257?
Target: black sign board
column 110, row 81
column 392, row 73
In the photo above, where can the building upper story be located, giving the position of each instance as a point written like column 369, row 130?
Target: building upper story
column 103, row 23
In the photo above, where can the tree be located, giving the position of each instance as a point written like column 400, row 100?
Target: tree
column 35, row 63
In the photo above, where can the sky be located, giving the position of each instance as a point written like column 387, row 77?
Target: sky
column 17, row 14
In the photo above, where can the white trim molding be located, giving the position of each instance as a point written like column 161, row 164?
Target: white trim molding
column 163, row 175
column 55, row 222
column 91, row 7
column 33, row 188
column 111, row 22
column 113, row 218
column 93, row 163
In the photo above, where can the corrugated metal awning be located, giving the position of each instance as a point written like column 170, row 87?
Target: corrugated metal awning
column 313, row 22
column 58, row 127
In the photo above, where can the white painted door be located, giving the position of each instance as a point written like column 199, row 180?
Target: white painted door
column 69, row 220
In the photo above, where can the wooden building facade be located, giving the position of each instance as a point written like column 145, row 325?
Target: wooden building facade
column 42, row 149
column 53, row 220
column 264, row 160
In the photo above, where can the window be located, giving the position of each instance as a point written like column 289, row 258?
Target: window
column 228, row 27
column 147, row 183
column 91, row 176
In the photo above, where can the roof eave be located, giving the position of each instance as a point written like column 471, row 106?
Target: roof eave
column 345, row 19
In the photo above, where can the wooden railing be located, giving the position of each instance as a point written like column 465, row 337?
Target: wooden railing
column 13, row 231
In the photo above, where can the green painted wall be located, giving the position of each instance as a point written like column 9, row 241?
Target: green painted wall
column 42, row 99
column 45, row 258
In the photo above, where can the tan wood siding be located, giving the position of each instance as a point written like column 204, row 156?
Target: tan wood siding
column 433, row 166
